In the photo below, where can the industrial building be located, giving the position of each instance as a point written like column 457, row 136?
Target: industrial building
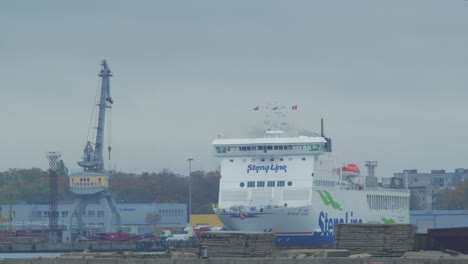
column 425, row 186
column 424, row 220
column 133, row 217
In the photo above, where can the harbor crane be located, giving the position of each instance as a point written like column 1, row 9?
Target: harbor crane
column 91, row 184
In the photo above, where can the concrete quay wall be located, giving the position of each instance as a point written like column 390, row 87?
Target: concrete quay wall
column 66, row 247
column 232, row 261
column 95, row 246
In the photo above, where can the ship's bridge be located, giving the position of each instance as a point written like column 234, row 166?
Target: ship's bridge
column 272, row 144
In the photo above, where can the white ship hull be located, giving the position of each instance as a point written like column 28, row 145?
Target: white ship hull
column 313, row 225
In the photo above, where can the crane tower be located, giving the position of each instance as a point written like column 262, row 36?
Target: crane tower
column 91, row 184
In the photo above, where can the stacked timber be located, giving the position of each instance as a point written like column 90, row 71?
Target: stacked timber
column 235, row 244
column 386, row 240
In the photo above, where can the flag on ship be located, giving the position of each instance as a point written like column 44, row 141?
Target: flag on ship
column 294, row 107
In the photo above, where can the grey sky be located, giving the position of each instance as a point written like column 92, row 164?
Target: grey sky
column 389, row 77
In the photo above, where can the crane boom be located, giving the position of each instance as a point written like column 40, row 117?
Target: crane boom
column 93, row 158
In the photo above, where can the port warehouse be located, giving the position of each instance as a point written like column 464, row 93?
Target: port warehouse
column 424, row 220
column 175, row 216
column 133, row 217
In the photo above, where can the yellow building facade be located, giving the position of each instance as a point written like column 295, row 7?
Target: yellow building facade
column 205, row 219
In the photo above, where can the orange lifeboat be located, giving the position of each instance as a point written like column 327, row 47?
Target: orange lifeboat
column 350, row 170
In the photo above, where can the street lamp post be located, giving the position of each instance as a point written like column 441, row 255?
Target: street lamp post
column 190, row 189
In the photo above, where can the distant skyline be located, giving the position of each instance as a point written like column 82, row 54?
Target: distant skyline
column 389, row 78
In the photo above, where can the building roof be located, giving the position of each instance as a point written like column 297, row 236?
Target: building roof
column 439, row 212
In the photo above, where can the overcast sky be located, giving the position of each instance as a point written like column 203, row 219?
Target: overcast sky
column 390, row 78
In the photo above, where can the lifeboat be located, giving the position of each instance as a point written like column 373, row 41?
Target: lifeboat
column 350, row 170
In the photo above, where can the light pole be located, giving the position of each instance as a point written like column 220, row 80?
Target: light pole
column 190, row 188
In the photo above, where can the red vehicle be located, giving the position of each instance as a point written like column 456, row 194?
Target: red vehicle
column 113, row 237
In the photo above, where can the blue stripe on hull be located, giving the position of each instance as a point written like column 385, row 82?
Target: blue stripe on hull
column 303, row 241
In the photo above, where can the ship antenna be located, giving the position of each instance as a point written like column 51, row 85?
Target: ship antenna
column 274, row 117
column 321, row 127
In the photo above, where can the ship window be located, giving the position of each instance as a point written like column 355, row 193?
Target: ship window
column 289, row 183
column 269, row 147
column 231, row 160
column 272, row 159
column 280, row 183
column 280, row 147
column 251, row 184
column 259, row 147
column 275, row 147
column 260, row 184
column 248, row 148
column 99, row 179
column 303, row 158
column 263, row 159
column 242, row 184
column 271, row 183
column 281, row 159
column 243, row 148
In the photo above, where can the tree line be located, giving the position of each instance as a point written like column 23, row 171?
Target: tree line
column 31, row 186
column 448, row 199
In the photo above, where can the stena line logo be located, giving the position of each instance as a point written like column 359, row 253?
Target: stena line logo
column 327, row 222
column 267, row 168
column 327, row 199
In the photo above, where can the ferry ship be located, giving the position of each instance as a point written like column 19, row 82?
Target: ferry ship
column 296, row 188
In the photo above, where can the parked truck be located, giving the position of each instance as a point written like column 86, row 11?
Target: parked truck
column 186, row 235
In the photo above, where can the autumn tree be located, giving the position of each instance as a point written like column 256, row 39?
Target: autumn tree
column 152, row 219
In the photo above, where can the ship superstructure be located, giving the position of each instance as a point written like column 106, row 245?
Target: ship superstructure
column 91, row 184
column 295, row 187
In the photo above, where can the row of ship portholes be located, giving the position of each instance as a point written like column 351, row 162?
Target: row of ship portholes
column 251, row 184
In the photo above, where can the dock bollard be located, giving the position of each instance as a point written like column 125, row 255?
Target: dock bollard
column 205, row 252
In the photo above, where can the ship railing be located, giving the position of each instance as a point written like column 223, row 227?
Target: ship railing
column 252, row 208
column 358, row 187
column 380, row 189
